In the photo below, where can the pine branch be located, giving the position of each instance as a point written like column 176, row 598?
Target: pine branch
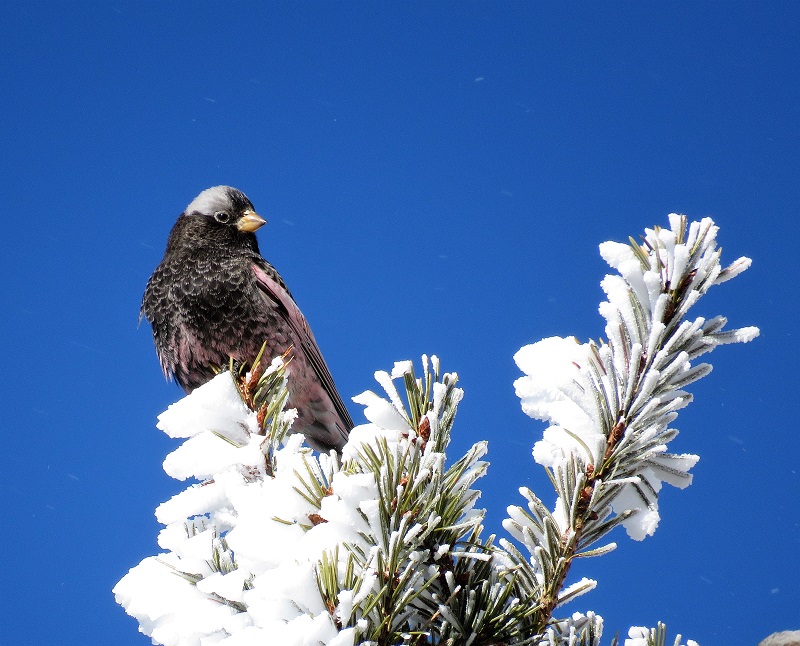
column 276, row 544
column 605, row 452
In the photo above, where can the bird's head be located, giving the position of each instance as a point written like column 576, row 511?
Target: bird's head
column 227, row 207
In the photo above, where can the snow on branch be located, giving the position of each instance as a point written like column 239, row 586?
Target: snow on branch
column 384, row 544
column 278, row 544
column 611, row 403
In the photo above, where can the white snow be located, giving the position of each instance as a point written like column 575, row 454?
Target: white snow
column 243, row 547
column 243, row 543
column 637, row 376
column 215, row 406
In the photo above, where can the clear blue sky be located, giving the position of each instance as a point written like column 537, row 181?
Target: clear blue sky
column 436, row 179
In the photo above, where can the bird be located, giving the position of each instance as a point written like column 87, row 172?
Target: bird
column 214, row 297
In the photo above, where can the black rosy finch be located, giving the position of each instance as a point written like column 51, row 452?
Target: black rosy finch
column 214, row 297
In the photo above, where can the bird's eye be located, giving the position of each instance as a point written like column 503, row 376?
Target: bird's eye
column 223, row 217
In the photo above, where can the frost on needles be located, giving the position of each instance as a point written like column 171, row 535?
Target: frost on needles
column 275, row 544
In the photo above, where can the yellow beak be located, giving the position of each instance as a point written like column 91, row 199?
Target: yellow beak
column 250, row 221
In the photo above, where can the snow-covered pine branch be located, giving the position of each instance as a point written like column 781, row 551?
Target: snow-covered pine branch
column 610, row 403
column 281, row 545
column 277, row 545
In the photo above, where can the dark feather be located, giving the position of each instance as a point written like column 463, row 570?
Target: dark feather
column 214, row 297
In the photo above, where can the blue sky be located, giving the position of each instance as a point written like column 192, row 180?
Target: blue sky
column 437, row 179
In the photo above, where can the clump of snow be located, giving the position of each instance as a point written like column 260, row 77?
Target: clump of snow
column 555, row 389
column 215, row 406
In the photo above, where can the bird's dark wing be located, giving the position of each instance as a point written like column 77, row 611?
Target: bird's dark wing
column 270, row 284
